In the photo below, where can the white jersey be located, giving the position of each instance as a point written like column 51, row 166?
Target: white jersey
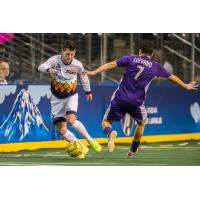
column 64, row 83
column 4, row 82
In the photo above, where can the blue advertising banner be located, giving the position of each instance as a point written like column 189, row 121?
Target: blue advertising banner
column 26, row 112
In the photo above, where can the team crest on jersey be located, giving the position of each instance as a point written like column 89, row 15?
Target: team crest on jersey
column 64, row 88
column 70, row 72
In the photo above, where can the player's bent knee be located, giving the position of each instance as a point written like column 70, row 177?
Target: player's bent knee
column 103, row 123
column 71, row 121
column 62, row 131
column 106, row 123
column 142, row 123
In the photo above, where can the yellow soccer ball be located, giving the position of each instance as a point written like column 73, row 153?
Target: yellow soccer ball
column 74, row 149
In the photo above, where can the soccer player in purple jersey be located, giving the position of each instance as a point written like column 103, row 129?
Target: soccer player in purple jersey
column 129, row 97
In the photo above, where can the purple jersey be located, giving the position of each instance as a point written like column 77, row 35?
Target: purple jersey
column 140, row 71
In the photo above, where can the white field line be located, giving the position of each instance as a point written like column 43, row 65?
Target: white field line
column 33, row 156
column 166, row 145
column 146, row 147
column 50, row 155
column 183, row 144
column 75, row 164
column 55, row 153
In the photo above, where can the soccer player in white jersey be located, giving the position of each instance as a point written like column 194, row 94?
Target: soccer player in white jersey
column 64, row 101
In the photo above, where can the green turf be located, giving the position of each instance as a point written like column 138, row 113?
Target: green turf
column 184, row 153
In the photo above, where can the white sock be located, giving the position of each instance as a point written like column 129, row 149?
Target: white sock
column 69, row 136
column 79, row 127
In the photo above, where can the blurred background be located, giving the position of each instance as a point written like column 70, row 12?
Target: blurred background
column 179, row 53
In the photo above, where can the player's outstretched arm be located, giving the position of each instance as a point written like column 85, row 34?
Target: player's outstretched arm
column 190, row 86
column 102, row 68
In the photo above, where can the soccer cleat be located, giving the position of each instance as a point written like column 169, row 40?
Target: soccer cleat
column 131, row 154
column 81, row 156
column 96, row 146
column 111, row 141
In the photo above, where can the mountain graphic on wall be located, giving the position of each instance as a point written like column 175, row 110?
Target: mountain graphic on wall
column 24, row 123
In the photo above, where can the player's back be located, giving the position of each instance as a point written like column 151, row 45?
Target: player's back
column 140, row 71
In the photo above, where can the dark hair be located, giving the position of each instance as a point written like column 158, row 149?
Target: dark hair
column 68, row 44
column 146, row 47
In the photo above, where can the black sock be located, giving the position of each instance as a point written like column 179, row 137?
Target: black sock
column 135, row 145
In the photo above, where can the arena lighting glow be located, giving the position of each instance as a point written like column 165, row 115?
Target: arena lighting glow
column 183, row 34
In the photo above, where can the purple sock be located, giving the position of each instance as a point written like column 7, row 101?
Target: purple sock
column 107, row 130
column 135, row 145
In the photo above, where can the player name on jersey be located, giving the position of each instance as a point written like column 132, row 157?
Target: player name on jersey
column 142, row 61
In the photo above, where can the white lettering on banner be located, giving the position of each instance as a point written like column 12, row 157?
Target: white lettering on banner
column 152, row 110
column 154, row 120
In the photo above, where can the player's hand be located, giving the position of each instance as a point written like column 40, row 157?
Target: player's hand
column 192, row 86
column 91, row 73
column 52, row 71
column 89, row 97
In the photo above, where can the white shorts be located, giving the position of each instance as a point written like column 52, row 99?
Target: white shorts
column 61, row 107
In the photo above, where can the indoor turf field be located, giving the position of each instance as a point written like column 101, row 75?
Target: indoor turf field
column 183, row 153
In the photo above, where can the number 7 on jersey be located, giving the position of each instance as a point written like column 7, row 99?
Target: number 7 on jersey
column 141, row 68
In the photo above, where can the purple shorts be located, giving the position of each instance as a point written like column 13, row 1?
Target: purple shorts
column 118, row 108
